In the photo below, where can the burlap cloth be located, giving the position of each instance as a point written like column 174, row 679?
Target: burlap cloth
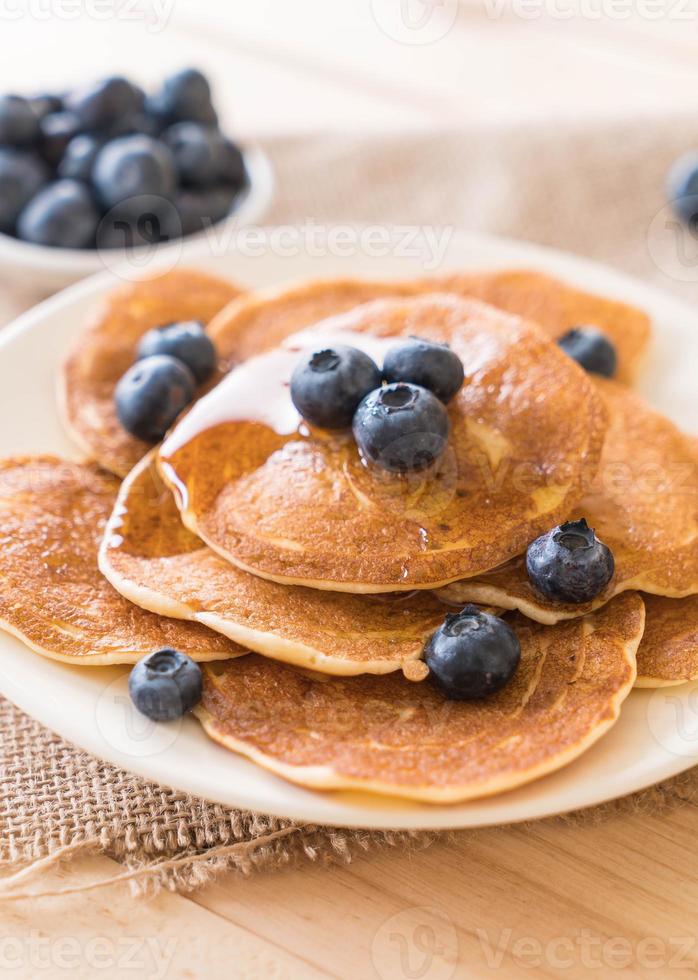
column 594, row 191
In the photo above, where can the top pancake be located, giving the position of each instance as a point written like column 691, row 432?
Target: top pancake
column 300, row 507
column 387, row 735
column 643, row 505
column 53, row 596
column 557, row 307
column 107, row 348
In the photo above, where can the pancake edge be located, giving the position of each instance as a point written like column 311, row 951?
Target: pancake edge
column 325, row 778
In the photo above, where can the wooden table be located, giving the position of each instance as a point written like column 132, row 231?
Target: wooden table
column 544, row 900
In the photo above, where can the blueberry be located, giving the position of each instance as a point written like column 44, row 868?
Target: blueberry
column 569, row 563
column 590, row 348
column 63, row 214
column 151, row 394
column 22, row 174
column 426, row 363
column 164, row 685
column 199, row 209
column 327, row 386
column 201, row 154
column 232, row 167
column 79, row 157
column 187, row 341
column 45, row 103
column 131, row 166
column 100, row 104
column 57, row 130
column 401, row 427
column 472, row 655
column 144, row 220
column 19, row 124
column 682, row 187
column 184, row 97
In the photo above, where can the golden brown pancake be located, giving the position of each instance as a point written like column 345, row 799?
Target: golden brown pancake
column 557, row 307
column 299, row 506
column 107, row 348
column 388, row 735
column 668, row 653
column 53, row 596
column 258, row 321
column 153, row 560
column 262, row 320
column 643, row 505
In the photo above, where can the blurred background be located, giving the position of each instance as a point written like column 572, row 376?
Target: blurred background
column 550, row 120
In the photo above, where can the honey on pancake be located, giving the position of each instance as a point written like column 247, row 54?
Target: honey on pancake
column 526, row 435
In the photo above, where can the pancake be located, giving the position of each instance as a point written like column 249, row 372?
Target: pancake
column 299, row 506
column 387, row 735
column 258, row 321
column 107, row 347
column 262, row 320
column 557, row 307
column 151, row 558
column 53, row 596
column 643, row 505
column 668, row 653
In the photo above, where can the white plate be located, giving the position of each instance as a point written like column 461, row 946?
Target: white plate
column 657, row 734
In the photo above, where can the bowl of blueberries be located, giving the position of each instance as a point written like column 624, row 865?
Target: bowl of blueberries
column 107, row 170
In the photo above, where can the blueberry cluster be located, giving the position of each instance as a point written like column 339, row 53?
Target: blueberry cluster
column 170, row 362
column 397, row 416
column 108, row 166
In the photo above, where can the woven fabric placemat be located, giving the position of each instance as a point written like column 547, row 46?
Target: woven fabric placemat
column 598, row 191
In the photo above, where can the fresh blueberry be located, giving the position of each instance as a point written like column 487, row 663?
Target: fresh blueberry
column 79, row 157
column 45, row 103
column 187, row 341
column 201, row 154
column 682, row 187
column 425, row 363
column 133, row 166
column 184, row 97
column 19, row 124
column 590, row 348
column 401, row 427
column 327, row 386
column 22, row 175
column 164, row 685
column 472, row 655
column 144, row 220
column 57, row 130
column 569, row 563
column 101, row 104
column 63, row 214
column 151, row 394
column 232, row 167
column 199, row 209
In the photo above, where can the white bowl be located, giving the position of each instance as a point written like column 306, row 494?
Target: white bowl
column 38, row 270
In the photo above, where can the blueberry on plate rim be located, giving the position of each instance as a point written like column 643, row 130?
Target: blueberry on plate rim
column 590, row 348
column 151, row 394
column 569, row 563
column 328, row 385
column 472, row 655
column 187, row 341
column 401, row 428
column 165, row 685
column 426, row 363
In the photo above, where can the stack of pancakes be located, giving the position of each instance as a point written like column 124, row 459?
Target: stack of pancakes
column 309, row 583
